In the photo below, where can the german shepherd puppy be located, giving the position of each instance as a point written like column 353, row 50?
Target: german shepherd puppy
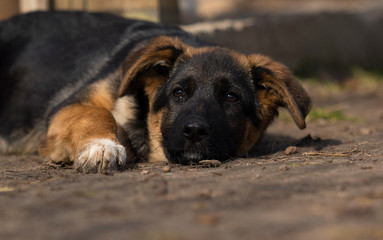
column 98, row 91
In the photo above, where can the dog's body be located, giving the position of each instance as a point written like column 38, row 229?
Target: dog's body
column 98, row 91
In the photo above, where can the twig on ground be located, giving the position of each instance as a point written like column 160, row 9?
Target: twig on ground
column 326, row 154
column 345, row 154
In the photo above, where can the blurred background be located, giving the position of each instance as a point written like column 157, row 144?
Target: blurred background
column 328, row 39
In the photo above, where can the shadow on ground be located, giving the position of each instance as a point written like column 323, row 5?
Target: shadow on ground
column 273, row 143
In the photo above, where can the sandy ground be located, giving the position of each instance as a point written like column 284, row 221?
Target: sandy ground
column 331, row 188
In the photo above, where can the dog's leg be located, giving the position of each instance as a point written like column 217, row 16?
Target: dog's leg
column 87, row 136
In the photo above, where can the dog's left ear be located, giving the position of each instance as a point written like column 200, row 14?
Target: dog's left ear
column 148, row 67
column 276, row 86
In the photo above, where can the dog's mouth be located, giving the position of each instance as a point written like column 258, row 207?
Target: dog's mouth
column 194, row 145
column 193, row 153
column 186, row 157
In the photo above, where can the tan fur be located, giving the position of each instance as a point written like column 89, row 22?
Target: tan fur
column 152, row 85
column 155, row 137
column 252, row 134
column 154, row 123
column 269, row 105
column 124, row 110
column 73, row 127
column 100, row 95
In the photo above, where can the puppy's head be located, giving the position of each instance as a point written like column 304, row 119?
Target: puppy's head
column 210, row 102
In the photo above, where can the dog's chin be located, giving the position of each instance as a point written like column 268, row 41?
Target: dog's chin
column 185, row 158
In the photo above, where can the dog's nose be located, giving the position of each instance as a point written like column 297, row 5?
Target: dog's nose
column 195, row 131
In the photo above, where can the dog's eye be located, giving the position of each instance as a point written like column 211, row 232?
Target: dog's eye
column 231, row 97
column 178, row 93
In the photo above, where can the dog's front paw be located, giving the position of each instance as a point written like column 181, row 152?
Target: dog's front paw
column 101, row 155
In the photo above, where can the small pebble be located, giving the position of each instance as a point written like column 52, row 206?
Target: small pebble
column 145, row 172
column 322, row 122
column 217, row 173
column 284, row 168
column 291, row 150
column 205, row 194
column 166, row 169
column 365, row 167
column 365, row 131
column 208, row 219
column 209, row 163
column 345, row 128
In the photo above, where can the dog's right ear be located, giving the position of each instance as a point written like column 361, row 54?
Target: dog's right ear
column 149, row 67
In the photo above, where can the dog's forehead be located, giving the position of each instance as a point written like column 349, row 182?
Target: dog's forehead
column 214, row 63
column 217, row 57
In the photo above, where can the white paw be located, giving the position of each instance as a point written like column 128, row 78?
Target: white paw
column 101, row 155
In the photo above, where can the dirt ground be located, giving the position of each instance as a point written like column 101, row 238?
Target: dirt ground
column 331, row 188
